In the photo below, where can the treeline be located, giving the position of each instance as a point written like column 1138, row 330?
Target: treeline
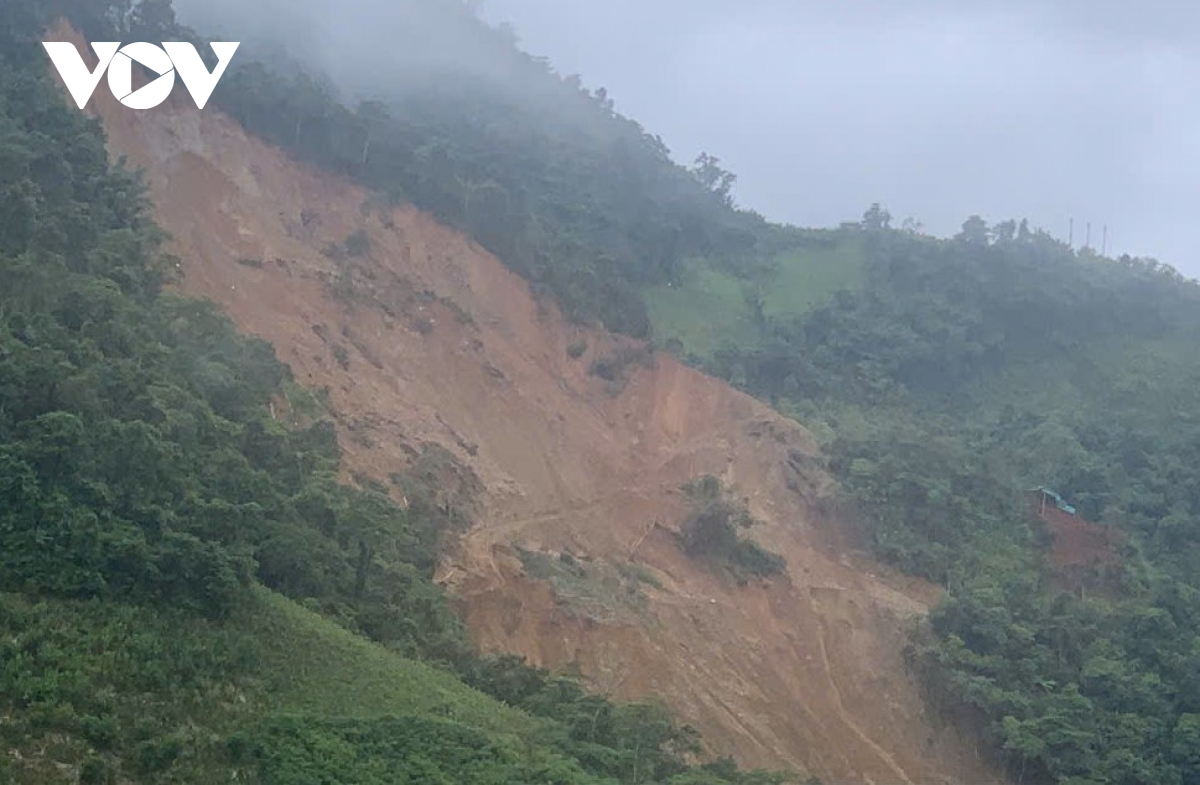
column 580, row 200
column 144, row 475
column 538, row 169
column 969, row 369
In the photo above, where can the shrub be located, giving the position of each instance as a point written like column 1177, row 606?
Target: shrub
column 96, row 771
column 710, row 533
column 357, row 244
column 615, row 366
column 158, row 755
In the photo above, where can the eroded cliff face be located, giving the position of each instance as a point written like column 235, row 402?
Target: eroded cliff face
column 428, row 339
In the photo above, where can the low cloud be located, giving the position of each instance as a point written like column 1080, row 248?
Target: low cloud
column 940, row 109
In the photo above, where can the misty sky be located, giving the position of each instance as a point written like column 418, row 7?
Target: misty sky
column 937, row 108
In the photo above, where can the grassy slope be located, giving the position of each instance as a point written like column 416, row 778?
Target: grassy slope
column 809, row 277
column 316, row 667
column 703, row 312
column 709, row 308
column 160, row 696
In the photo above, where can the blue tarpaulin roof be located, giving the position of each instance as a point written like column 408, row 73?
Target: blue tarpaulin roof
column 1059, row 501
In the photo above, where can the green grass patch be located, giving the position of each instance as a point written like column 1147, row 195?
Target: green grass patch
column 705, row 311
column 808, row 278
column 712, row 308
column 316, row 667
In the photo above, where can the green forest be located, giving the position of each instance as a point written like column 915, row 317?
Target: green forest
column 962, row 372
column 945, row 377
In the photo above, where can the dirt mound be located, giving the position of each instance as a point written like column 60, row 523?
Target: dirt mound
column 1082, row 554
column 419, row 336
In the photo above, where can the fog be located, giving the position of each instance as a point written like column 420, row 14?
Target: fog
column 939, row 109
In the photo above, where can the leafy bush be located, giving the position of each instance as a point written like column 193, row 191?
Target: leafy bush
column 396, row 751
column 711, row 533
column 615, row 367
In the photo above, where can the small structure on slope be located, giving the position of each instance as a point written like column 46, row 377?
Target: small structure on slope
column 1084, row 554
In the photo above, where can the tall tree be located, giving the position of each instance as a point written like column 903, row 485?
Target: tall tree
column 708, row 171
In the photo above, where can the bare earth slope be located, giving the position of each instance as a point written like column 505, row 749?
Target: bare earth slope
column 433, row 340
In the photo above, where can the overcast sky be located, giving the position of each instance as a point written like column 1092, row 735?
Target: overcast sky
column 937, row 108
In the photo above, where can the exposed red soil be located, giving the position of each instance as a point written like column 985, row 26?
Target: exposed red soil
column 1082, row 552
column 806, row 671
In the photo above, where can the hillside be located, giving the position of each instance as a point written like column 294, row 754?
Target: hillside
column 435, row 266
column 274, row 668
column 425, row 338
column 187, row 593
column 963, row 371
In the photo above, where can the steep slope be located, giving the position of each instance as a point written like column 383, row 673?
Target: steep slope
column 426, row 338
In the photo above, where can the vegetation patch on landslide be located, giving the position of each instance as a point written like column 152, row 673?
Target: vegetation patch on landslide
column 711, row 533
column 593, row 589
